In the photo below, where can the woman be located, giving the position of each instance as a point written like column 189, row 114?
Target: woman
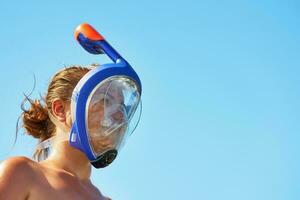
column 65, row 174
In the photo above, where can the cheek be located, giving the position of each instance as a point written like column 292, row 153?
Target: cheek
column 94, row 119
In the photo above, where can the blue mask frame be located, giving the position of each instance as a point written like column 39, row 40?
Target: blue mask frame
column 94, row 43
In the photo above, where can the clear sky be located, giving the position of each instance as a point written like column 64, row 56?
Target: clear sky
column 220, row 91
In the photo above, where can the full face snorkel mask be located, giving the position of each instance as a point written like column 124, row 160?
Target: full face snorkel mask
column 105, row 104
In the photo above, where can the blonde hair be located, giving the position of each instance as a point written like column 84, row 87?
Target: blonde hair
column 36, row 121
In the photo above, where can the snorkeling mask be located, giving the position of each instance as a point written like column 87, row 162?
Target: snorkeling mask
column 105, row 104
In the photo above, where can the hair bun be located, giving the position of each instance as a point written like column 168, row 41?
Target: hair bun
column 36, row 120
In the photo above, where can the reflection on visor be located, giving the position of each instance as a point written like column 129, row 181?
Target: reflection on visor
column 109, row 112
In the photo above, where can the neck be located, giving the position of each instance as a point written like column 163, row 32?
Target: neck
column 70, row 159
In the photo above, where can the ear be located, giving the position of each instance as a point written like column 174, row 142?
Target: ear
column 59, row 110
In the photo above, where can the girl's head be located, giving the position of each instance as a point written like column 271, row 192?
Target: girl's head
column 36, row 120
column 106, row 120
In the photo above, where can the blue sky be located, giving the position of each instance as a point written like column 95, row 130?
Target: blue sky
column 220, row 91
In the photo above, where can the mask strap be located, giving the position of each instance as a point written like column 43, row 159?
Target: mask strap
column 50, row 141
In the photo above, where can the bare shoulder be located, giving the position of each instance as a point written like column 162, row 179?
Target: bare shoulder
column 100, row 194
column 16, row 166
column 17, row 160
column 96, row 190
column 16, row 176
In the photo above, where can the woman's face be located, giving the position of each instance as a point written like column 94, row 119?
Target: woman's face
column 105, row 123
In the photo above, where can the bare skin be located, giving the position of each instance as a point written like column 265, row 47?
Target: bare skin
column 64, row 175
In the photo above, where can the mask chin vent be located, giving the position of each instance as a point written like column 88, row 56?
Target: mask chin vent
column 105, row 159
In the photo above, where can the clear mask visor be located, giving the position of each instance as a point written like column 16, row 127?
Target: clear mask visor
column 110, row 110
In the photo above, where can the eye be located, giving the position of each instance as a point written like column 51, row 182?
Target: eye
column 107, row 102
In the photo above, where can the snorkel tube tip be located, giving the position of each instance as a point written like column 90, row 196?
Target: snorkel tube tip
column 88, row 31
column 89, row 38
